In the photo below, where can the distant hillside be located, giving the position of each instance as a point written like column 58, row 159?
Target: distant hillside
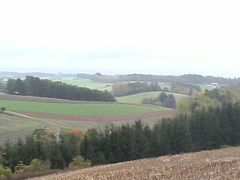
column 99, row 77
column 34, row 86
column 186, row 78
column 214, row 165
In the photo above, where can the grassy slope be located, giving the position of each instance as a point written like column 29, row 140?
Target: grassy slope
column 206, row 86
column 86, row 83
column 137, row 98
column 77, row 109
column 214, row 165
column 12, row 123
column 12, row 127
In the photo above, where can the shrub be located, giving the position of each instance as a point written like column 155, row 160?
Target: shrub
column 21, row 168
column 79, row 163
column 35, row 166
column 5, row 172
column 3, row 109
column 39, row 165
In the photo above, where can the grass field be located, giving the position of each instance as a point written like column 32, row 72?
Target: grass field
column 219, row 164
column 206, row 87
column 86, row 83
column 12, row 127
column 137, row 98
column 11, row 123
column 77, row 109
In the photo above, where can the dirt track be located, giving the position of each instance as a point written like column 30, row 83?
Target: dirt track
column 157, row 115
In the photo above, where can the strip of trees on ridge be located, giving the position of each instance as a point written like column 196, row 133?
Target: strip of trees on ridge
column 128, row 88
column 34, row 86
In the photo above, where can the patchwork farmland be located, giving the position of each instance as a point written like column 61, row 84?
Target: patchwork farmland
column 36, row 112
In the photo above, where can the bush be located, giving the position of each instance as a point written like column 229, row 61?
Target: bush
column 5, row 172
column 39, row 165
column 79, row 163
column 35, row 166
column 3, row 109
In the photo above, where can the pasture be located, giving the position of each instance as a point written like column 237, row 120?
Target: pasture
column 88, row 83
column 206, row 87
column 13, row 127
column 78, row 109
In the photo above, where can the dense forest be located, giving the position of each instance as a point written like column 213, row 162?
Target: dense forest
column 128, row 88
column 34, row 86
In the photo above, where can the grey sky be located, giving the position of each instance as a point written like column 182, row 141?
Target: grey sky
column 127, row 36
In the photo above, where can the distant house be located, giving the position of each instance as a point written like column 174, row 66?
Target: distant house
column 16, row 93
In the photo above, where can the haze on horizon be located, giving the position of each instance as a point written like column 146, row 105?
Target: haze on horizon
column 118, row 37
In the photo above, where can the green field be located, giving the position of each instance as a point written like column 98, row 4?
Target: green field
column 137, row 98
column 206, row 87
column 11, row 123
column 13, row 128
column 77, row 109
column 86, row 83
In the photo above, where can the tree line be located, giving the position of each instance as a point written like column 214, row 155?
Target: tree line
column 187, row 79
column 128, row 88
column 187, row 89
column 34, row 86
column 40, row 153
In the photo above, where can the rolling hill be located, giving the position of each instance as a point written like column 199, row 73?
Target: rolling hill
column 137, row 98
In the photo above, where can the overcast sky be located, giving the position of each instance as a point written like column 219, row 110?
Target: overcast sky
column 121, row 36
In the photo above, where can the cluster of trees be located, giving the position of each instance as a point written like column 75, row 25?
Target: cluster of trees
column 165, row 100
column 207, row 99
column 128, row 88
column 223, row 95
column 41, row 151
column 187, row 89
column 34, row 86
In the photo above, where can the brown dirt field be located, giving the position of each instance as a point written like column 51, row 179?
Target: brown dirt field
column 223, row 164
column 149, row 115
column 45, row 99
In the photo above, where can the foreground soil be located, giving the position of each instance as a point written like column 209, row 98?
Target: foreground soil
column 223, row 164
